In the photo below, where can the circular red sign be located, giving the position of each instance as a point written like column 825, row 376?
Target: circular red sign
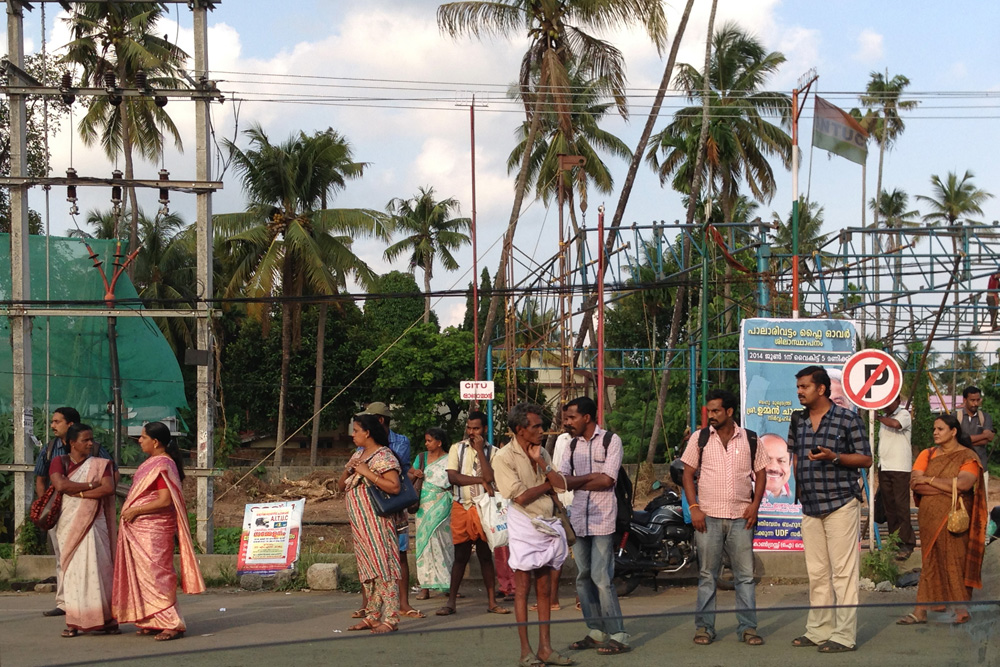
column 872, row 379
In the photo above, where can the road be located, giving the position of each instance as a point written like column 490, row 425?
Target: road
column 308, row 628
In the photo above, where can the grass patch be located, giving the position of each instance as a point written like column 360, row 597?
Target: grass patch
column 349, row 583
column 298, row 581
column 881, row 565
column 227, row 577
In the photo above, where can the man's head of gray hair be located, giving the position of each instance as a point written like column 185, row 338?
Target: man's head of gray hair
column 518, row 416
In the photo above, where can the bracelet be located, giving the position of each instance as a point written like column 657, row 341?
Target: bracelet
column 80, row 494
column 693, row 506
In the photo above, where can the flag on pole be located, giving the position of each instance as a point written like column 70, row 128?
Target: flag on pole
column 836, row 131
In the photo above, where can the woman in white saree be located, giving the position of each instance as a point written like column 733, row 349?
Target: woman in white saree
column 86, row 530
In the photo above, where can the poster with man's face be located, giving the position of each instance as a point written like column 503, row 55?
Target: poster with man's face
column 772, row 351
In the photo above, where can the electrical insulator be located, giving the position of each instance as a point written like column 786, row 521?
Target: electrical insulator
column 164, row 193
column 67, row 83
column 160, row 101
column 71, row 193
column 116, row 190
column 109, row 80
column 140, row 79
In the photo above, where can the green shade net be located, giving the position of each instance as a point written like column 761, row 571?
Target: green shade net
column 76, row 348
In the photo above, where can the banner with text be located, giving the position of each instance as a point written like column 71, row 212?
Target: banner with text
column 270, row 540
column 772, row 351
column 836, row 131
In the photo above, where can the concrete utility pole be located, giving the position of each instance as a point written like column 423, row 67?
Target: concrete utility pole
column 20, row 323
column 203, row 230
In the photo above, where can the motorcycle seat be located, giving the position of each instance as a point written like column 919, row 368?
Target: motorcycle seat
column 640, row 517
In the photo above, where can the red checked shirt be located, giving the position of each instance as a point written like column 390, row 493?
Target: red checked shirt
column 725, row 486
column 593, row 512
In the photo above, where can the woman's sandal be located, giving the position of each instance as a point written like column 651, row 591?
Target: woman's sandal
column 961, row 618
column 423, row 595
column 383, row 628
column 911, row 619
column 414, row 613
column 363, row 625
column 146, row 631
column 360, row 613
column 168, row 635
column 69, row 633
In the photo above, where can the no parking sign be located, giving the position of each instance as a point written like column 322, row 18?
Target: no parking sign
column 872, row 379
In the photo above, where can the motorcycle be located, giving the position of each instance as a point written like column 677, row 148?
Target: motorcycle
column 658, row 542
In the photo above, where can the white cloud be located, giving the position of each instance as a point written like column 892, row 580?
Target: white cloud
column 870, row 47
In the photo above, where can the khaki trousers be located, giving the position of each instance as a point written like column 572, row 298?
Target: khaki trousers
column 833, row 560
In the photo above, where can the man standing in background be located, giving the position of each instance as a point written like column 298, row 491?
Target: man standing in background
column 895, row 461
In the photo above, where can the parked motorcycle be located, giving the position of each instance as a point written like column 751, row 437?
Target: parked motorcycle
column 659, row 543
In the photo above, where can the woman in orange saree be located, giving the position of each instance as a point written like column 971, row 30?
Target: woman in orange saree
column 952, row 563
column 86, row 533
column 145, row 584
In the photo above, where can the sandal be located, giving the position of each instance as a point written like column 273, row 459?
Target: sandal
column 751, row 638
column 584, row 644
column 146, row 631
column 911, row 619
column 414, row 613
column 554, row 607
column 167, row 635
column 803, row 641
column 835, row 647
column 360, row 613
column 445, row 611
column 556, row 659
column 111, row 629
column 961, row 618
column 702, row 638
column 363, row 625
column 614, row 647
column 383, row 628
column 530, row 660
column 69, row 633
column 423, row 595
column 497, row 609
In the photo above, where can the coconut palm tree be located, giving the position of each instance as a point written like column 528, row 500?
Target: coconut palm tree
column 116, row 39
column 557, row 34
column 893, row 207
column 953, row 199
column 810, row 237
column 285, row 243
column 740, row 139
column 430, row 233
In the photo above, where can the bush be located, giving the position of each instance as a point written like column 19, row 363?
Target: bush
column 227, row 540
column 881, row 565
column 6, row 550
column 30, row 540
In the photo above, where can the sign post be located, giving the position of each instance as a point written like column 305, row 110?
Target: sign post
column 872, row 380
column 476, row 390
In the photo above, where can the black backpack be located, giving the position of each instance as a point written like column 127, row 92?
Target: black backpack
column 623, row 485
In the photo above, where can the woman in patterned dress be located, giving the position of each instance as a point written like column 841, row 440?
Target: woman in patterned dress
column 375, row 543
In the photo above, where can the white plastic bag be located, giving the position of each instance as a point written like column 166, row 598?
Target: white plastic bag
column 493, row 515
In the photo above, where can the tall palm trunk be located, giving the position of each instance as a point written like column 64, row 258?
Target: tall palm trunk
column 428, row 267
column 500, row 280
column 633, row 167
column 286, row 364
column 318, row 383
column 675, row 322
column 127, row 144
column 877, row 241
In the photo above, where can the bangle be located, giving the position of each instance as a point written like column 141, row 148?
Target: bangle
column 932, row 481
column 692, row 506
column 80, row 494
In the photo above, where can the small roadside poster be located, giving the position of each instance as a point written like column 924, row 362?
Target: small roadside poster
column 270, row 540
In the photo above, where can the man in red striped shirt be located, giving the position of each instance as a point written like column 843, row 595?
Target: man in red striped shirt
column 726, row 498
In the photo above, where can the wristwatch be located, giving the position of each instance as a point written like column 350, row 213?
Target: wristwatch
column 548, row 469
column 836, row 460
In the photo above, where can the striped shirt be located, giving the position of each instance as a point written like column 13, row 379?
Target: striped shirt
column 822, row 486
column 725, row 485
column 593, row 512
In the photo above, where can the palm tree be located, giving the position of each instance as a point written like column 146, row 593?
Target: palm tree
column 116, row 39
column 557, row 34
column 953, row 199
column 431, row 233
column 892, row 207
column 740, row 140
column 285, row 243
column 810, row 237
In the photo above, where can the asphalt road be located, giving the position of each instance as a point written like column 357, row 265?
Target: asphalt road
column 241, row 628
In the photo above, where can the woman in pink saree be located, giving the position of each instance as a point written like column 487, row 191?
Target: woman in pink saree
column 145, row 584
column 86, row 532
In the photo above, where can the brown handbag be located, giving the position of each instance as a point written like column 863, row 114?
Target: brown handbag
column 958, row 518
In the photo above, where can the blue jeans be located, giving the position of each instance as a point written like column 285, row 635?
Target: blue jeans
column 595, row 564
column 732, row 537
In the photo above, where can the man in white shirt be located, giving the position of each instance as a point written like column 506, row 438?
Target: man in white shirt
column 895, row 461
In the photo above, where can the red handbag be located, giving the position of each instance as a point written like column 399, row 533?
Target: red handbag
column 45, row 510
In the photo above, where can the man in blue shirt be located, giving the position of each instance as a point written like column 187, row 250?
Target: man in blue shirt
column 400, row 446
column 62, row 419
column 830, row 447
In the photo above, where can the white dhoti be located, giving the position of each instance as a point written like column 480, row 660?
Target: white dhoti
column 535, row 543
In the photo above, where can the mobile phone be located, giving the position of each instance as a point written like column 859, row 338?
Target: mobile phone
column 816, row 450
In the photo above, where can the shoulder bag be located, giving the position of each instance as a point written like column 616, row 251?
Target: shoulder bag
column 387, row 504
column 45, row 511
column 958, row 518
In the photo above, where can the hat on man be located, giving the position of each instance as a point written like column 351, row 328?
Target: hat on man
column 377, row 408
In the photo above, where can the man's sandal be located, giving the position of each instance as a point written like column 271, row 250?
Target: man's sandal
column 751, row 638
column 835, row 647
column 702, row 638
column 587, row 642
column 613, row 647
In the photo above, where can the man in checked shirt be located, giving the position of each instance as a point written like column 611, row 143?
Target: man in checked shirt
column 724, row 513
column 830, row 449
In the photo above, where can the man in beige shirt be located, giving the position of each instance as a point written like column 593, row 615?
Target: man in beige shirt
column 537, row 540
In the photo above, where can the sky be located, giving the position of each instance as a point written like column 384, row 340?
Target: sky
column 408, row 89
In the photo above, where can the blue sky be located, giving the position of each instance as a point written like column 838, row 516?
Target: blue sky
column 941, row 47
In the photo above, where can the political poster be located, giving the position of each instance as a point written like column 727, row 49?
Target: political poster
column 772, row 351
column 271, row 537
